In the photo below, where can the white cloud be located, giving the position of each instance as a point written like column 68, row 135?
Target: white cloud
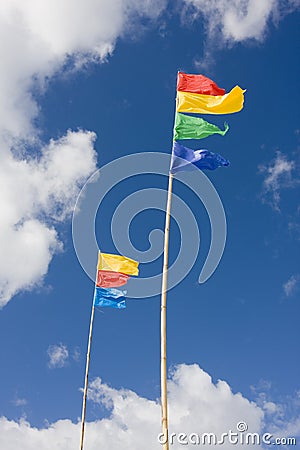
column 238, row 20
column 33, row 191
column 279, row 174
column 38, row 40
column 263, row 399
column 76, row 355
column 58, row 356
column 291, row 285
column 19, row 401
column 196, row 404
column 294, row 227
column 205, row 63
column 281, row 417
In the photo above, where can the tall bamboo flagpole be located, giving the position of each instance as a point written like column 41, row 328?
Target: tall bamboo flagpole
column 163, row 322
column 86, row 378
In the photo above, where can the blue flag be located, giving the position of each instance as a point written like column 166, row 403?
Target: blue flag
column 184, row 158
column 111, row 297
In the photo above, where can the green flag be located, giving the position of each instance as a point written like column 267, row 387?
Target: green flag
column 189, row 127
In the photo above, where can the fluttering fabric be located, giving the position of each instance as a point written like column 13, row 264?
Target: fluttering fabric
column 117, row 263
column 113, row 271
column 189, row 127
column 198, row 84
column 112, row 298
column 184, row 158
column 211, row 104
column 108, row 279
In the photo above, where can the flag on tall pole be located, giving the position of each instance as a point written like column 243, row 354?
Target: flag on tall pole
column 195, row 94
column 112, row 271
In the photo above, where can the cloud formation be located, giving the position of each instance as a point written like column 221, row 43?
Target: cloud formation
column 35, row 194
column 291, row 285
column 58, row 356
column 238, row 20
column 19, row 401
column 281, row 418
column 38, row 188
column 278, row 175
column 37, row 40
column 196, row 405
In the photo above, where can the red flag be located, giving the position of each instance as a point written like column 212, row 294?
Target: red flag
column 197, row 84
column 107, row 279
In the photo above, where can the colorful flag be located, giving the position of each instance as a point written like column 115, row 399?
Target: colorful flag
column 199, row 84
column 211, row 104
column 184, row 158
column 112, row 298
column 109, row 279
column 189, row 127
column 113, row 270
column 117, row 263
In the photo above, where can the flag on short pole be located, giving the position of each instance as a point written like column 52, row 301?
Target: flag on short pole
column 108, row 279
column 113, row 271
column 110, row 297
column 117, row 263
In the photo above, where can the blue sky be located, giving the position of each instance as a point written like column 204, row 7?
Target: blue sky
column 82, row 87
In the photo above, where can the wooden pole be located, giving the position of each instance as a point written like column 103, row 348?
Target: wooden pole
column 163, row 323
column 86, row 378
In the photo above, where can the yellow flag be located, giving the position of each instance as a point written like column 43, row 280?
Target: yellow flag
column 211, row 104
column 117, row 263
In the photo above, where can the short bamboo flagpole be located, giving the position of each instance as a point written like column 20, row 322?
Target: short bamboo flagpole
column 86, row 378
column 163, row 322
